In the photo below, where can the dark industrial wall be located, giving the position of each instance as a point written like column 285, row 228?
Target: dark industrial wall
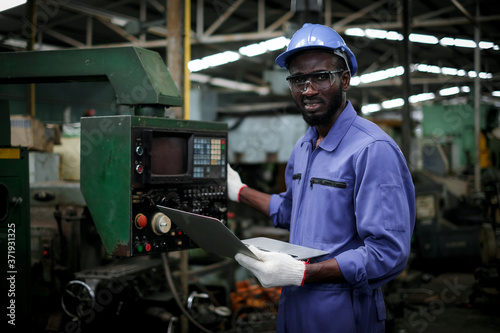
column 53, row 100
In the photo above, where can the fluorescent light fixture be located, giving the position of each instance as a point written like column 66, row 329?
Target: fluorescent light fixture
column 8, row 4
column 376, row 33
column 465, row 89
column 355, row 80
column 221, row 58
column 382, row 75
column 419, row 38
column 252, row 50
column 449, row 91
column 449, row 71
column 357, row 32
column 276, row 43
column 447, row 41
column 229, row 84
column 426, row 39
column 465, row 43
column 428, row 68
column 486, row 45
column 393, row 35
column 422, row 97
column 393, row 103
column 495, row 93
column 213, row 61
column 262, row 47
column 119, row 21
column 369, row 108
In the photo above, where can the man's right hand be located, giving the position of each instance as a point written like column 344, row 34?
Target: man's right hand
column 234, row 184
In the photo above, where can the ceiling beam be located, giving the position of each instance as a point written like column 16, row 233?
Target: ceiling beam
column 63, row 38
column 358, row 14
column 422, row 24
column 121, row 32
column 279, row 22
column 230, row 10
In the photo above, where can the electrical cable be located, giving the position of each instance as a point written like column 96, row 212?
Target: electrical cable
column 176, row 296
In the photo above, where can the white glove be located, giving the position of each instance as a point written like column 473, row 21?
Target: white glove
column 275, row 270
column 234, row 184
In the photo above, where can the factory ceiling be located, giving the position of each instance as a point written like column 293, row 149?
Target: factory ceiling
column 373, row 29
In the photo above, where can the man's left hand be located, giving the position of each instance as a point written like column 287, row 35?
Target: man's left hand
column 275, row 269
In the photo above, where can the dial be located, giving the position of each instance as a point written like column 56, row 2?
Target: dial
column 161, row 223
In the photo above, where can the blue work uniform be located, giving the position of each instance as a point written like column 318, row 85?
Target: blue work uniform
column 352, row 196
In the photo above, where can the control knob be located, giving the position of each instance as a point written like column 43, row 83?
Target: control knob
column 161, row 224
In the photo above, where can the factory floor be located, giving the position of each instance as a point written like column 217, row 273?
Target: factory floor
column 450, row 303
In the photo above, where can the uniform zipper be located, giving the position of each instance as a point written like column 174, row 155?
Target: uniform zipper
column 327, row 182
column 297, row 176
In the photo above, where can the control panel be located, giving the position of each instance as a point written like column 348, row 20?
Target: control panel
column 153, row 231
column 150, row 161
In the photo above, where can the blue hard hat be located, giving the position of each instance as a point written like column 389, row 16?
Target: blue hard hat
column 318, row 37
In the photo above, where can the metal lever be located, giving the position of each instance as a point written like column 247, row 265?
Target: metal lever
column 192, row 296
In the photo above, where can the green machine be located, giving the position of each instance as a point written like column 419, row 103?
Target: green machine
column 130, row 164
column 14, row 229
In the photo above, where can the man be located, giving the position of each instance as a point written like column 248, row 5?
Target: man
column 349, row 192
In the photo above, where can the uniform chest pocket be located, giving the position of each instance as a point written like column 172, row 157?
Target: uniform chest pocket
column 325, row 207
column 327, row 182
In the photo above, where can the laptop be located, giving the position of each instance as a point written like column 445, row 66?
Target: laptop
column 214, row 237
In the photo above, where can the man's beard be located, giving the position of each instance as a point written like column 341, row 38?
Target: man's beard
column 325, row 118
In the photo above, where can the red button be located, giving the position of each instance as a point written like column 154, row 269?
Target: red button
column 148, row 247
column 141, row 221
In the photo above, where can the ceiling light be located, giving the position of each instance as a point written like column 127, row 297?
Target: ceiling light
column 449, row 71
column 358, row 32
column 8, row 4
column 393, row 103
column 486, row 45
column 449, row 91
column 419, row 38
column 119, row 21
column 465, row 43
column 213, row 61
column 393, row 35
column 369, row 108
column 276, row 43
column 252, row 50
column 355, row 81
column 426, row 39
column 382, row 75
column 495, row 93
column 262, row 47
column 376, row 33
column 421, row 97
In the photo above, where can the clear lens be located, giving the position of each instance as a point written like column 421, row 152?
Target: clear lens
column 318, row 81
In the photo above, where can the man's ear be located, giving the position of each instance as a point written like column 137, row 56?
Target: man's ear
column 346, row 80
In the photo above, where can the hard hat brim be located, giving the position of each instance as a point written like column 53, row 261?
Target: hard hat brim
column 282, row 59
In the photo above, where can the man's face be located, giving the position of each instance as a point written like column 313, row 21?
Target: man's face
column 318, row 107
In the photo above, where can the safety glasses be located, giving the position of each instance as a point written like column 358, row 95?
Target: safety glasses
column 318, row 80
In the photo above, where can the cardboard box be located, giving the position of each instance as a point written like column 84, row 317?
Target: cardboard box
column 29, row 132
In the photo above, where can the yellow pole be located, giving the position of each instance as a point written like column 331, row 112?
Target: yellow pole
column 187, row 57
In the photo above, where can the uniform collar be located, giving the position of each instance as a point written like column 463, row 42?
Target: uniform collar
column 337, row 132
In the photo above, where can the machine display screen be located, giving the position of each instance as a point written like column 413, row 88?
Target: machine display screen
column 169, row 156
